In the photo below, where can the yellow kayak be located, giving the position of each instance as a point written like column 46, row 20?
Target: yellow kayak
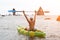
column 36, row 33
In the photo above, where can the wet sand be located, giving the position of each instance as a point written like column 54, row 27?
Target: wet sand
column 9, row 24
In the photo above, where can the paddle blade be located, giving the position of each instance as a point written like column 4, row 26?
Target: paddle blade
column 11, row 10
column 46, row 11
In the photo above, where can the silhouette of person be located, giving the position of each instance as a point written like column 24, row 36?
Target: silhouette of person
column 14, row 11
column 31, row 21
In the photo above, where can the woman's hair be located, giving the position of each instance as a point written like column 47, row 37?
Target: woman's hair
column 31, row 18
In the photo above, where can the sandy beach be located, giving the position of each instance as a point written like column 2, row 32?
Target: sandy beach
column 9, row 24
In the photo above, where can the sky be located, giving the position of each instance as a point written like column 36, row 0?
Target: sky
column 30, row 5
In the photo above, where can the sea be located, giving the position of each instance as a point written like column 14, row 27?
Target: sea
column 9, row 24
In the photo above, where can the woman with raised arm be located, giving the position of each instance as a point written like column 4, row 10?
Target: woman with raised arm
column 31, row 21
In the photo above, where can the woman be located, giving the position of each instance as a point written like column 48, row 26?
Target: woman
column 31, row 21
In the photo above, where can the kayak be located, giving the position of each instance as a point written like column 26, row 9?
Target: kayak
column 36, row 33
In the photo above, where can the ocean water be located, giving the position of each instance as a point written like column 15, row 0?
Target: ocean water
column 9, row 24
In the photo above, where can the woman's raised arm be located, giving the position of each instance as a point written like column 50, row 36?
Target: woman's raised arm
column 35, row 16
column 25, row 16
